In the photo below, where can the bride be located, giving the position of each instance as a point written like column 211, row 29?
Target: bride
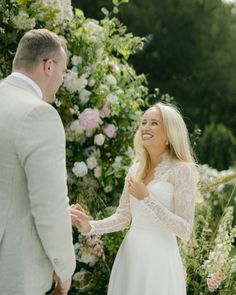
column 158, row 201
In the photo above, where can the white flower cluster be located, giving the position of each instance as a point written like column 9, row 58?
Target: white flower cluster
column 64, row 9
column 22, row 21
column 95, row 31
column 218, row 262
column 207, row 174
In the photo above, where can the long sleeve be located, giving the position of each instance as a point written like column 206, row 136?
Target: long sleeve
column 180, row 221
column 119, row 220
column 41, row 152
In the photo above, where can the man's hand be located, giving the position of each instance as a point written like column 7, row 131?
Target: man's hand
column 61, row 288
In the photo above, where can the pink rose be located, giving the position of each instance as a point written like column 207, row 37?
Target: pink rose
column 105, row 111
column 89, row 119
column 110, row 130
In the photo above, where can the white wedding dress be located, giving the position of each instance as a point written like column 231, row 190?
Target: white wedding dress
column 148, row 261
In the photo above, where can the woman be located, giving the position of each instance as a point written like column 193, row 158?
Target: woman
column 158, row 199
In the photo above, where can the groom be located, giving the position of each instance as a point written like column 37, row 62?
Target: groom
column 35, row 224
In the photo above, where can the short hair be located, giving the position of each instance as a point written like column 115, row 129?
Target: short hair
column 35, row 46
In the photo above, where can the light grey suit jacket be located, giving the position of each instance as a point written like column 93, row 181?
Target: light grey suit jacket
column 35, row 225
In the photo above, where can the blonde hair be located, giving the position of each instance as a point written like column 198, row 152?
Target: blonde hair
column 35, row 46
column 178, row 139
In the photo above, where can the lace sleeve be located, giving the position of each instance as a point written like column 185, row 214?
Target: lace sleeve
column 120, row 219
column 181, row 221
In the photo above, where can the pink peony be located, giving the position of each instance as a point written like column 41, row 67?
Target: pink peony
column 89, row 119
column 110, row 130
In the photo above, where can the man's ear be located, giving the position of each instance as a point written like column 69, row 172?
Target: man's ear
column 47, row 67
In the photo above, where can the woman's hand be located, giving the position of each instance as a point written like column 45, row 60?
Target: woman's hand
column 137, row 189
column 80, row 218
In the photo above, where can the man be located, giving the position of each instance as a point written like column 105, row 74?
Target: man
column 35, row 224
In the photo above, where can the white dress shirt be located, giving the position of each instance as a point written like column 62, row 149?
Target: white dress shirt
column 29, row 81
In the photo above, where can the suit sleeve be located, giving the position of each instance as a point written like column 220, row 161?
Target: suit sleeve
column 41, row 146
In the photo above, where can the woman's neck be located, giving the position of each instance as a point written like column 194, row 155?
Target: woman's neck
column 155, row 158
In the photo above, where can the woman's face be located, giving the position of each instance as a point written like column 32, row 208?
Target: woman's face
column 152, row 130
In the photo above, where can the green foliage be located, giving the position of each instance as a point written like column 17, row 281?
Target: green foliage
column 217, row 146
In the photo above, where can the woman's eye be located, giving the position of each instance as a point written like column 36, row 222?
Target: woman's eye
column 154, row 123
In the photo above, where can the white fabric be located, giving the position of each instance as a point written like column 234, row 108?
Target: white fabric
column 35, row 223
column 30, row 82
column 148, row 261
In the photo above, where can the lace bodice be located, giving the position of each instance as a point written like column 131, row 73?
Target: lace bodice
column 170, row 203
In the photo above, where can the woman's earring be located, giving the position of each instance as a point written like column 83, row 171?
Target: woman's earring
column 167, row 143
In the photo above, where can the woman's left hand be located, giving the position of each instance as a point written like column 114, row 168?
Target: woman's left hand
column 137, row 189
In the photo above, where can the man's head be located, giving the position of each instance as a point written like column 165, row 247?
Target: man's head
column 41, row 55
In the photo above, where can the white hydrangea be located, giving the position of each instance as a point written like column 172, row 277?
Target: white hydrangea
column 110, row 80
column 80, row 169
column 94, row 30
column 22, row 21
column 111, row 98
column 103, row 88
column 64, row 8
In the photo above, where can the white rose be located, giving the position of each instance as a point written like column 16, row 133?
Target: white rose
column 99, row 139
column 92, row 162
column 84, row 96
column 98, row 172
column 80, row 169
column 117, row 164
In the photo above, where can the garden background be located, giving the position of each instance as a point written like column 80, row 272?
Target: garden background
column 123, row 56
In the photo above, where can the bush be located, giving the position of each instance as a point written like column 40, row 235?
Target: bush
column 217, row 147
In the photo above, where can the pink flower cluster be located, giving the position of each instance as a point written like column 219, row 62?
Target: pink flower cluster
column 215, row 280
column 96, row 245
column 89, row 119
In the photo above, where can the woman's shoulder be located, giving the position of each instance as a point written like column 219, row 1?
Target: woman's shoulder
column 184, row 168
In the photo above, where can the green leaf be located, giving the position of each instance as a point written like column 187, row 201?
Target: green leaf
column 115, row 2
column 115, row 10
column 105, row 11
column 124, row 1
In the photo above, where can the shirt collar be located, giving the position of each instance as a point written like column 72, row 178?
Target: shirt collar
column 29, row 81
